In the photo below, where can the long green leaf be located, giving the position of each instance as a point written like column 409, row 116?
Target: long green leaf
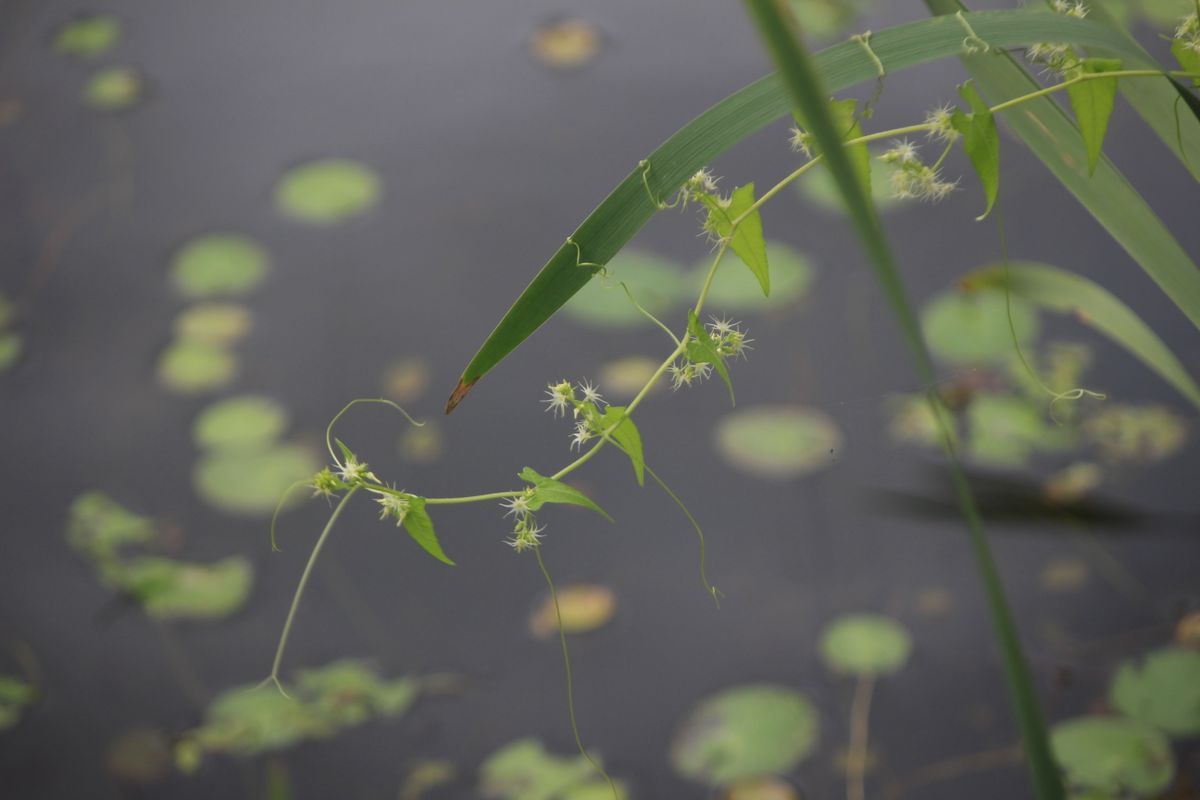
column 804, row 84
column 623, row 213
column 1065, row 292
column 1047, row 130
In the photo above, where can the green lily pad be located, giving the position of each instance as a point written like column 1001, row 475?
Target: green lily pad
column 15, row 696
column 523, row 770
column 656, row 283
column 251, row 483
column 736, row 291
column 972, row 327
column 1162, row 690
column 328, row 190
column 218, row 324
column 584, row 607
column 865, row 644
column 190, row 367
column 819, row 188
column 743, row 733
column 1140, row 434
column 219, row 265
column 11, row 346
column 170, row 589
column 350, row 692
column 248, row 422
column 99, row 527
column 114, row 88
column 246, row 722
column 1006, row 430
column 778, row 441
column 88, row 36
column 1121, row 756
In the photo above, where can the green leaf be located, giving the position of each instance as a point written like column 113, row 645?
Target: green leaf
column 1093, row 305
column 548, row 490
column 1093, row 100
column 420, row 527
column 981, row 141
column 1047, row 130
column 1189, row 59
column 846, row 121
column 347, row 453
column 629, row 206
column 747, row 241
column 627, row 436
column 701, row 350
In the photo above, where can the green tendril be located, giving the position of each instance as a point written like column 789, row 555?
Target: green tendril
column 378, row 400
column 279, row 508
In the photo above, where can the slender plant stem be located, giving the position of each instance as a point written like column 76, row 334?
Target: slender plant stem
column 857, row 754
column 308, row 569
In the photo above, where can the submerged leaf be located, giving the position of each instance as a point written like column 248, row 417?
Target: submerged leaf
column 865, row 644
column 1143, row 434
column 15, row 695
column 1162, row 690
column 523, row 770
column 190, row 367
column 1093, row 101
column 10, row 350
column 744, row 733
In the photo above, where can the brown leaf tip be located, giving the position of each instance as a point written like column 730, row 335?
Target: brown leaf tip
column 458, row 394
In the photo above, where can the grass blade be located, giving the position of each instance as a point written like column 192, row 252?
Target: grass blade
column 1067, row 293
column 801, row 77
column 623, row 213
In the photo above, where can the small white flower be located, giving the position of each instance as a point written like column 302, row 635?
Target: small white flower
column 582, row 435
column 353, row 471
column 525, row 536
column 702, row 181
column 902, row 151
column 392, row 505
column 720, row 327
column 941, row 120
column 801, row 141
column 591, row 394
column 561, row 395
column 518, row 506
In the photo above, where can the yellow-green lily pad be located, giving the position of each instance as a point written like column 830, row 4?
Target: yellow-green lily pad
column 744, row 733
column 350, row 692
column 1163, row 690
column 584, row 607
column 622, row 378
column 114, row 88
column 1006, row 430
column 423, row 445
column 251, row 483
column 406, row 380
column 11, row 347
column 566, row 43
column 99, row 527
column 523, row 770
column 219, row 265
column 88, row 36
column 778, row 441
column 972, row 327
column 735, row 290
column 1140, row 434
column 1123, row 757
column 657, row 285
column 218, row 324
column 248, row 422
column 191, row 367
column 328, row 190
column 865, row 644
column 170, row 589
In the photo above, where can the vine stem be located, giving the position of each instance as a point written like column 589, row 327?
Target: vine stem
column 308, row 569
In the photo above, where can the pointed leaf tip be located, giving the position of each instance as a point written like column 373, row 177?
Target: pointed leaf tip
column 460, row 391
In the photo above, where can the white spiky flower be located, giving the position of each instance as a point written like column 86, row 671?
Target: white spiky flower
column 591, row 393
column 902, row 151
column 518, row 506
column 941, row 122
column 800, row 141
column 561, row 395
column 393, row 505
column 582, row 435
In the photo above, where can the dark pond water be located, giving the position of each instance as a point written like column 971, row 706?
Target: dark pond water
column 488, row 159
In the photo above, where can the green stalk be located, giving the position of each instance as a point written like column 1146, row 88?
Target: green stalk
column 808, row 95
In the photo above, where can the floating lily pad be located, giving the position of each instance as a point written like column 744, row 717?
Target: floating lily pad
column 584, row 607
column 251, row 483
column 1073, row 483
column 406, row 380
column 762, row 789
column 88, row 36
column 114, row 88
column 248, row 422
column 913, row 421
column 140, row 755
column 1006, row 430
column 170, row 589
column 192, row 367
column 523, row 770
column 15, row 696
column 350, row 692
column 11, row 346
column 736, row 291
column 1162, row 690
column 865, row 644
column 744, row 733
column 328, row 190
column 1123, row 757
column 1142, row 434
column 778, row 441
column 1064, row 575
column 99, row 527
column 219, row 324
column 818, row 188
column 972, row 327
column 567, row 43
column 219, row 265
column 656, row 283
column 624, row 377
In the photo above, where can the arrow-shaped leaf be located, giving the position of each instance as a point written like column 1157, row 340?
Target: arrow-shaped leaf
column 420, row 527
column 548, row 490
column 981, row 141
column 1093, row 101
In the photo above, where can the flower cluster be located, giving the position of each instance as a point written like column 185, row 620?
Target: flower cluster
column 941, row 124
column 1057, row 57
column 801, row 141
column 913, row 178
column 526, row 532
column 727, row 338
column 1188, row 33
column 393, row 506
column 702, row 182
column 584, row 400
